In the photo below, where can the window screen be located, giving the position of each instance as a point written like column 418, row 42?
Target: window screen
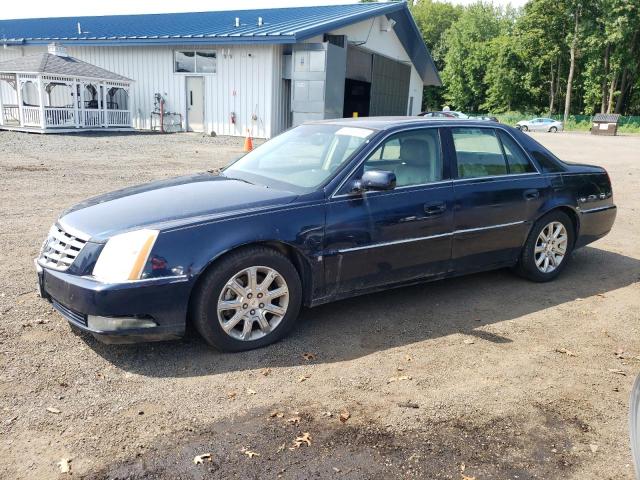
column 478, row 152
column 516, row 158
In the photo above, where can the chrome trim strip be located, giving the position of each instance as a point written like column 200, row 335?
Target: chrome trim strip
column 596, row 209
column 491, row 227
column 430, row 237
column 395, row 242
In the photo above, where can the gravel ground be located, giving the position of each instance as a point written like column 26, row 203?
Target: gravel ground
column 486, row 376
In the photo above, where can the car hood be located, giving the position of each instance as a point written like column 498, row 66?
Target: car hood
column 176, row 201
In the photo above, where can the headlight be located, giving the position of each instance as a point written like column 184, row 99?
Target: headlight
column 124, row 256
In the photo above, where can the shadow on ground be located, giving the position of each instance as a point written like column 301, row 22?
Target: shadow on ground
column 356, row 327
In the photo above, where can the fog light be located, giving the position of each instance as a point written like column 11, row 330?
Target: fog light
column 110, row 324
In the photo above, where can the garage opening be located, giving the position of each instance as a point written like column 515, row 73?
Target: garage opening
column 357, row 96
column 375, row 85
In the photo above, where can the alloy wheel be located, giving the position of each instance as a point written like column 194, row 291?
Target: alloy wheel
column 253, row 303
column 551, row 247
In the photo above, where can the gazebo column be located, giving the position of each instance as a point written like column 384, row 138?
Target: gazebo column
column 105, row 121
column 19, row 95
column 1, row 106
column 81, row 89
column 76, row 99
column 43, row 120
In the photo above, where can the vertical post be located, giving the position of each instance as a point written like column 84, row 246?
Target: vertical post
column 43, row 120
column 19, row 95
column 76, row 99
column 105, row 121
column 81, row 89
column 1, row 106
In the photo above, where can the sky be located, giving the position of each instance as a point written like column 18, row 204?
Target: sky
column 70, row 8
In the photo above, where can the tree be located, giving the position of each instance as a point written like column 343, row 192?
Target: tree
column 468, row 54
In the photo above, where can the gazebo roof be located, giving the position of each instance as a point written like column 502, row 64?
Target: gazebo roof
column 58, row 65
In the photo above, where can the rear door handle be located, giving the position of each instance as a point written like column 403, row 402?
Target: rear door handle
column 432, row 209
column 531, row 194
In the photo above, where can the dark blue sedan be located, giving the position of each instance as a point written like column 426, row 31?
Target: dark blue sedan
column 325, row 211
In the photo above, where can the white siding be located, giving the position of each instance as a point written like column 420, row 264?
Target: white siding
column 244, row 83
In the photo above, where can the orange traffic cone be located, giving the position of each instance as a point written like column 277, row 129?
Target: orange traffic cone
column 248, row 142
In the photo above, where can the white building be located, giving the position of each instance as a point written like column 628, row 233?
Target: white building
column 257, row 70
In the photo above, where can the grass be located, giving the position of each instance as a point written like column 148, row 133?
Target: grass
column 576, row 123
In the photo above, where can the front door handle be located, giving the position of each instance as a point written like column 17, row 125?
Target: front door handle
column 531, row 194
column 432, row 209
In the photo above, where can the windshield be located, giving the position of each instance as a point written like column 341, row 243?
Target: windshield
column 301, row 159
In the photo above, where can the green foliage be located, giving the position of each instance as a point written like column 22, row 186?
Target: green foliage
column 501, row 59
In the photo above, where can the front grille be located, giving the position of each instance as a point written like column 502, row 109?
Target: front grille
column 60, row 249
column 69, row 314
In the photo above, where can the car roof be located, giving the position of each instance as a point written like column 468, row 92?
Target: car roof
column 385, row 123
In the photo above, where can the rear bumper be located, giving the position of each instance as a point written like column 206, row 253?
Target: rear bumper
column 164, row 300
column 595, row 223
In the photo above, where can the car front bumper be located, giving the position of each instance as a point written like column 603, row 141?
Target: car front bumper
column 162, row 300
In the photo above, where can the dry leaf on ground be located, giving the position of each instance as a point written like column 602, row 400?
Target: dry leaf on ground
column 569, row 353
column 53, row 410
column 304, row 438
column 295, row 420
column 617, row 371
column 251, row 391
column 303, row 378
column 344, row 416
column 468, row 341
column 199, row 459
column 65, row 465
column 265, row 371
column 400, row 378
column 276, row 413
column 250, row 453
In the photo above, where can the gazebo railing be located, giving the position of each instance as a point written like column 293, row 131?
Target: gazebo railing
column 11, row 115
column 93, row 118
column 59, row 116
column 31, row 116
column 118, row 118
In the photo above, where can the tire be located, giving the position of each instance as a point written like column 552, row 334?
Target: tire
column 553, row 129
column 530, row 258
column 216, row 286
column 524, row 128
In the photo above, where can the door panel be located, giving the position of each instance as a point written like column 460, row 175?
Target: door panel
column 388, row 237
column 497, row 195
column 195, row 104
column 385, row 237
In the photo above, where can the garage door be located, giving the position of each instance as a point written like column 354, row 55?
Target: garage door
column 389, row 87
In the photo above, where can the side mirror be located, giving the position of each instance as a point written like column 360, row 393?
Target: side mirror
column 375, row 180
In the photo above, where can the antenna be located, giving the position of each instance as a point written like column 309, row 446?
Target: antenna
column 237, row 21
column 260, row 22
column 79, row 29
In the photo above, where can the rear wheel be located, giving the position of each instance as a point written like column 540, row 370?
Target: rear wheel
column 249, row 299
column 553, row 129
column 548, row 248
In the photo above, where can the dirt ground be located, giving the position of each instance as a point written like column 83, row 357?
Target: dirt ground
column 486, row 376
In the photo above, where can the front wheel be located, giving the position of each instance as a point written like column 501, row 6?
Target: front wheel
column 249, row 299
column 548, row 247
column 524, row 128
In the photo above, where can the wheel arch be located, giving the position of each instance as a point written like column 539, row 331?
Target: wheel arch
column 299, row 261
column 569, row 211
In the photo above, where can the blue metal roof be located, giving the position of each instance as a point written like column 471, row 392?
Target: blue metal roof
column 280, row 25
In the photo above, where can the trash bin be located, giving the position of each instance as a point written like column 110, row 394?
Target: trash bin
column 605, row 124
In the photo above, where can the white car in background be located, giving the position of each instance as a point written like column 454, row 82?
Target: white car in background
column 540, row 125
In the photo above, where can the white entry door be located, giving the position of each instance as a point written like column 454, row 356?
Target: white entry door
column 195, row 104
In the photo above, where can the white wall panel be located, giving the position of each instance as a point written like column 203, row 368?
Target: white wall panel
column 244, row 83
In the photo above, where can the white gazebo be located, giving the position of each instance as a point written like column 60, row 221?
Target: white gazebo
column 53, row 92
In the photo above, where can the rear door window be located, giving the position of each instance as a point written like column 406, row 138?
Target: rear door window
column 516, row 158
column 478, row 152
